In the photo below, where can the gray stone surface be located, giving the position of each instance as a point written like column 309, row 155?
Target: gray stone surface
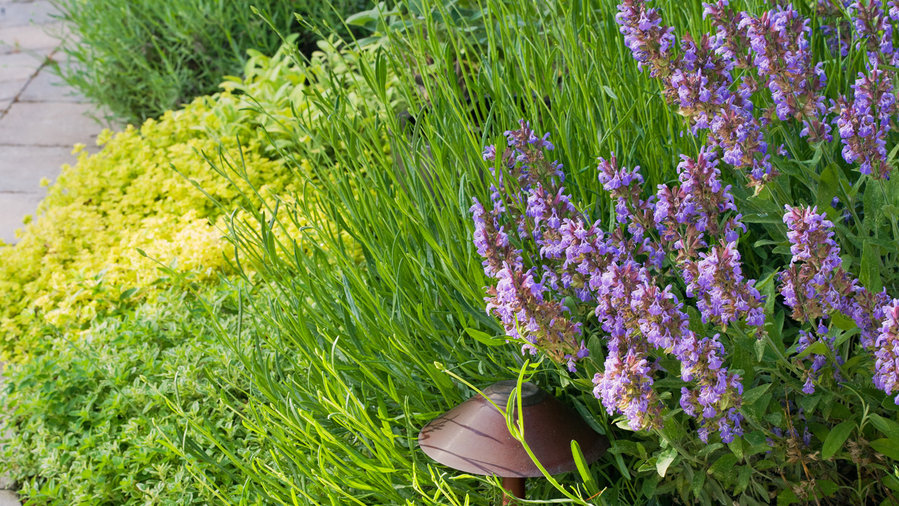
column 8, row 498
column 21, row 14
column 13, row 209
column 17, row 66
column 48, row 87
column 48, row 124
column 19, row 166
column 11, row 89
column 28, row 38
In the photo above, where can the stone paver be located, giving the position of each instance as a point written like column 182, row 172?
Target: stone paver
column 19, row 166
column 28, row 38
column 13, row 209
column 22, row 65
column 26, row 13
column 11, row 89
column 8, row 498
column 47, row 87
column 48, row 124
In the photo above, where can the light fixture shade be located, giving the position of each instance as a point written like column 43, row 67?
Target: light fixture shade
column 473, row 437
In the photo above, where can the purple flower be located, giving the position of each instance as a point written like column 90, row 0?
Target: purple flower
column 645, row 36
column 818, row 361
column 864, row 121
column 886, row 352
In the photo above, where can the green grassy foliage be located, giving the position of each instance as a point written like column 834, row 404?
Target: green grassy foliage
column 138, row 59
column 348, row 362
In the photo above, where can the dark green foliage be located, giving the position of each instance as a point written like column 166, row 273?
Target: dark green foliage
column 138, row 58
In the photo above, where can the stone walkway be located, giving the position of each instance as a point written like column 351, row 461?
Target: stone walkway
column 40, row 120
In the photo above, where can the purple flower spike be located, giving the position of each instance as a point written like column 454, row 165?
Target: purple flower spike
column 864, row 121
column 886, row 351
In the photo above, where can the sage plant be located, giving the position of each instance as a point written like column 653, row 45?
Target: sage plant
column 544, row 254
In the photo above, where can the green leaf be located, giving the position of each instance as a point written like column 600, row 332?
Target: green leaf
column 697, row 482
column 759, row 349
column 835, row 438
column 842, row 321
column 723, row 466
column 889, row 428
column 827, row 487
column 892, row 482
column 583, row 469
column 484, row 338
column 664, row 460
column 869, row 272
column 888, row 447
column 753, row 394
column 736, row 446
column 786, row 497
column 817, row 348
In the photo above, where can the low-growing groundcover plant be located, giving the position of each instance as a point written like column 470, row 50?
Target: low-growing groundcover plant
column 795, row 373
column 87, row 419
column 81, row 252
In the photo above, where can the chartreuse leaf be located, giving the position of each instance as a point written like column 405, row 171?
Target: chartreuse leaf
column 835, row 438
column 583, row 469
column 484, row 338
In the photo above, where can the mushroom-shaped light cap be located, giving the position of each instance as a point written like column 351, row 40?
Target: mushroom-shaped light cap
column 473, row 437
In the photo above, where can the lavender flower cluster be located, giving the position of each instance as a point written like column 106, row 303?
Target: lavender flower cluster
column 815, row 286
column 864, row 122
column 542, row 251
column 770, row 51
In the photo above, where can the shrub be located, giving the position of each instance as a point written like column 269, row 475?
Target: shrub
column 138, row 59
column 80, row 254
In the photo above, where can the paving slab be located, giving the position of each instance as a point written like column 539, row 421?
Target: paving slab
column 16, row 66
column 29, row 38
column 23, row 167
column 13, row 209
column 48, row 124
column 21, row 14
column 48, row 87
column 11, row 89
column 8, row 498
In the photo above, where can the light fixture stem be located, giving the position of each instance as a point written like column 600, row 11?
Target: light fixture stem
column 514, row 489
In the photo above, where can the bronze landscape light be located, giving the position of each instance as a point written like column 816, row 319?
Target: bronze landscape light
column 473, row 437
